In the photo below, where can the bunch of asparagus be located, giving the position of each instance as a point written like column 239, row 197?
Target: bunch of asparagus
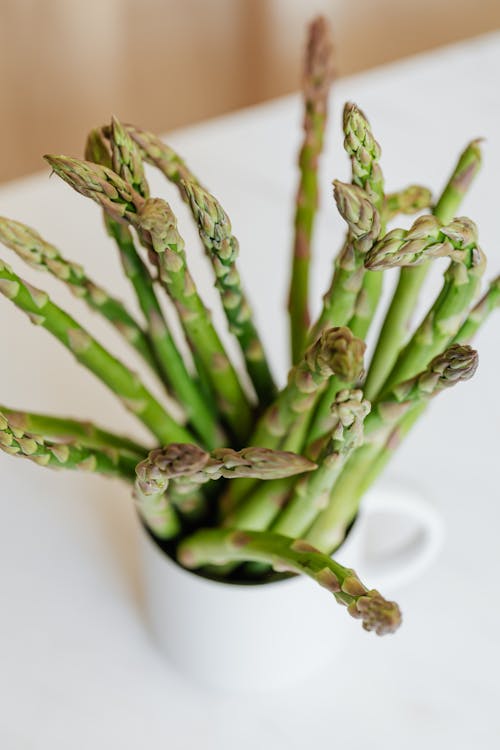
column 282, row 497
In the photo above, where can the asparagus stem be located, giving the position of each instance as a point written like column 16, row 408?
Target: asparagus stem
column 364, row 152
column 477, row 317
column 62, row 428
column 153, row 476
column 410, row 200
column 154, row 151
column 336, row 351
column 126, row 159
column 86, row 350
column 222, row 248
column 479, row 313
column 397, row 321
column 312, row 493
column 188, row 467
column 457, row 363
column 219, row 546
column 127, row 162
column 274, row 491
column 39, row 254
column 121, row 202
column 367, row 174
column 363, row 222
column 157, row 219
column 318, row 75
column 67, row 455
column 444, row 318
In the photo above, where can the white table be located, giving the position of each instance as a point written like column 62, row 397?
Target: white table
column 76, row 667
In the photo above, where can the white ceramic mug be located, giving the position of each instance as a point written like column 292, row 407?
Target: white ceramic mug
column 260, row 637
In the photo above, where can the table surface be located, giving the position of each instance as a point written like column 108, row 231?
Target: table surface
column 76, row 666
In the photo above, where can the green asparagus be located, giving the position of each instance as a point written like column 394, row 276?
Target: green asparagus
column 220, row 546
column 39, row 254
column 167, row 247
column 336, row 352
column 318, row 75
column 222, row 249
column 86, row 350
column 66, row 455
column 63, row 428
column 457, row 363
column 397, row 320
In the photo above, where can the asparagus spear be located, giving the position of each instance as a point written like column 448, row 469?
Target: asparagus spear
column 188, row 467
column 457, row 363
column 442, row 322
column 154, row 220
column 318, row 75
column 312, row 493
column 63, row 428
column 220, row 546
column 469, row 328
column 479, row 313
column 157, row 219
column 427, row 238
column 366, row 172
column 86, row 350
column 127, row 163
column 222, row 249
column 336, row 351
column 397, row 320
column 126, row 159
column 154, row 151
column 39, row 254
column 363, row 221
column 153, row 476
column 67, row 455
column 410, row 200
column 364, row 152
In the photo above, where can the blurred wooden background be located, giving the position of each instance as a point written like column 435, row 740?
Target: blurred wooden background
column 65, row 65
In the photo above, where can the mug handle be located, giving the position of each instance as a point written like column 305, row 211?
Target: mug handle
column 399, row 534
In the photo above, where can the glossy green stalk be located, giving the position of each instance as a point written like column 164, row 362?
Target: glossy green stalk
column 222, row 248
column 318, row 74
column 124, row 383
column 67, row 455
column 456, row 364
column 167, row 251
column 221, row 546
column 397, row 320
column 40, row 254
column 61, row 428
